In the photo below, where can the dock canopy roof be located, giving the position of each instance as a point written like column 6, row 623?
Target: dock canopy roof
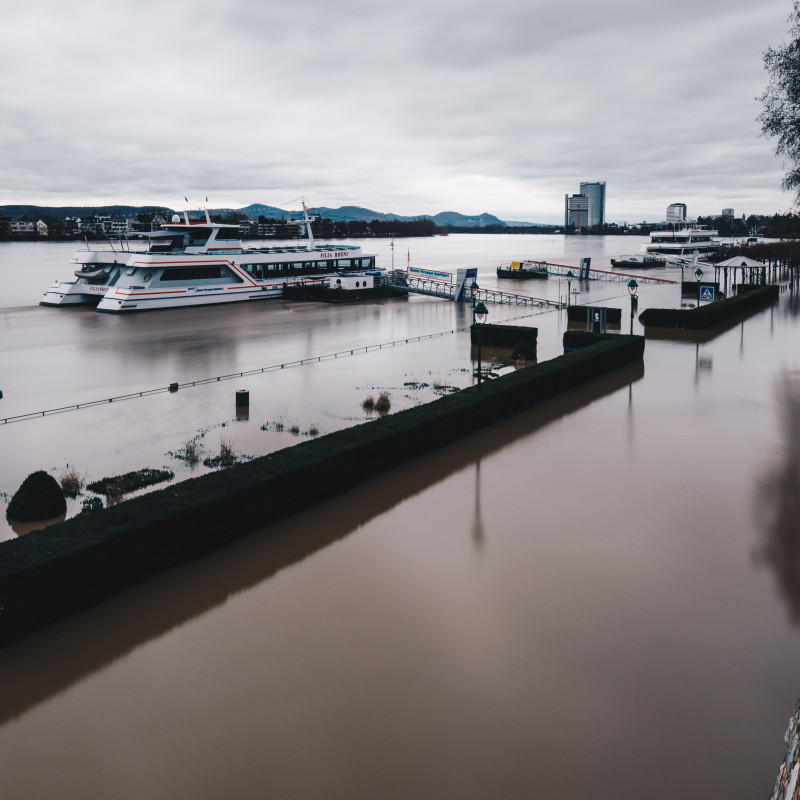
column 740, row 261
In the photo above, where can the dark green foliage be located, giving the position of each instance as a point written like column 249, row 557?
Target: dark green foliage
column 91, row 504
column 523, row 352
column 131, row 481
column 39, row 497
column 46, row 575
column 780, row 119
column 712, row 314
column 576, row 340
column 578, row 314
column 504, row 335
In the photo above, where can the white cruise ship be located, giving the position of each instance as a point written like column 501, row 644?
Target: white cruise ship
column 198, row 262
column 684, row 242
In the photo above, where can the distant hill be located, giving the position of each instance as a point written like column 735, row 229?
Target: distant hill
column 358, row 214
column 256, row 210
column 528, row 224
column 459, row 220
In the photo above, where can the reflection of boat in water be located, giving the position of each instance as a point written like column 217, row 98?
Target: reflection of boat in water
column 640, row 261
column 199, row 262
column 522, row 270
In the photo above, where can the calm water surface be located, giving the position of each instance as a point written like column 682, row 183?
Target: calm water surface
column 597, row 598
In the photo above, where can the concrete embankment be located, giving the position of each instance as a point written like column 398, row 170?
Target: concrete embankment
column 51, row 573
column 714, row 313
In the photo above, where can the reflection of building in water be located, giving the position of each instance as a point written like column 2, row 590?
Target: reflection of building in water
column 779, row 501
column 786, row 785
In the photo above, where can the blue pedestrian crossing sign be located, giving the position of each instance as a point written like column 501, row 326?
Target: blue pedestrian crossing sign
column 706, row 292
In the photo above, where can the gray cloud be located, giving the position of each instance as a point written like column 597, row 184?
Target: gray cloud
column 415, row 108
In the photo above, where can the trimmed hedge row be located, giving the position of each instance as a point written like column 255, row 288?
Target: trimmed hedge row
column 48, row 574
column 712, row 314
column 504, row 335
column 578, row 314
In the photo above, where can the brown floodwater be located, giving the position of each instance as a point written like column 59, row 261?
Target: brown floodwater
column 596, row 598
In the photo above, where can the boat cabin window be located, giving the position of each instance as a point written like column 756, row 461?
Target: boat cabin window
column 214, row 272
column 228, row 233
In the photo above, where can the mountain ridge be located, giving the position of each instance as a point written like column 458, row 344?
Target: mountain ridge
column 255, row 210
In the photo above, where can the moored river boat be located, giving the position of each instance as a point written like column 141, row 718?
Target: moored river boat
column 523, row 270
column 193, row 262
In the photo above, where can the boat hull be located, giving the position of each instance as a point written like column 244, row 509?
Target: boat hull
column 73, row 294
column 130, row 301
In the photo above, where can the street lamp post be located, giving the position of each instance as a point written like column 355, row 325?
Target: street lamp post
column 698, row 274
column 633, row 288
column 480, row 317
column 569, row 276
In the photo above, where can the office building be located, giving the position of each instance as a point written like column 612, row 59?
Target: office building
column 576, row 211
column 676, row 214
column 595, row 193
column 727, row 212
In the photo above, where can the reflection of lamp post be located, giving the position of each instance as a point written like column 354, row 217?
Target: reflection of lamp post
column 632, row 288
column 477, row 522
column 698, row 274
column 474, row 290
column 570, row 276
column 480, row 317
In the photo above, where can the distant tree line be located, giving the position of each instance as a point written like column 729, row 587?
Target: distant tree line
column 777, row 226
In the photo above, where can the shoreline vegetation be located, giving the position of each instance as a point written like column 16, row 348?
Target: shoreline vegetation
column 51, row 573
column 83, row 223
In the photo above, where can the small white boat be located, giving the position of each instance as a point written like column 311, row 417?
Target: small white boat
column 193, row 262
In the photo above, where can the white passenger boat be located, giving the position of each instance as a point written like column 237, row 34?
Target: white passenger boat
column 684, row 242
column 199, row 262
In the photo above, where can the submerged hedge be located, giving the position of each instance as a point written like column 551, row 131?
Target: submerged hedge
column 579, row 314
column 712, row 314
column 504, row 335
column 48, row 574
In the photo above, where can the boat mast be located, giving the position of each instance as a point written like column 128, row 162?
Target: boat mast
column 308, row 226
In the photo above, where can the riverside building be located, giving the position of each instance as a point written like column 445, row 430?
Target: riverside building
column 587, row 209
column 676, row 214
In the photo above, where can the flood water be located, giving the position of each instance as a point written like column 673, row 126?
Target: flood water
column 596, row 598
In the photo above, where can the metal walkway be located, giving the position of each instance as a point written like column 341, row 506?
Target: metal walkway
column 447, row 291
column 578, row 273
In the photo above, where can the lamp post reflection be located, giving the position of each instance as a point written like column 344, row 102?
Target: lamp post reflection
column 477, row 520
column 699, row 277
column 480, row 317
column 632, row 289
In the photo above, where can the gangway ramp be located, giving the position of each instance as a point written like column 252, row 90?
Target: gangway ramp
column 590, row 273
column 449, row 291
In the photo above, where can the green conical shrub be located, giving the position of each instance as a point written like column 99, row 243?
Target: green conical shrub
column 39, row 497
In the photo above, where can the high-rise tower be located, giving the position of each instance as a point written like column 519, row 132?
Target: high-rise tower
column 595, row 193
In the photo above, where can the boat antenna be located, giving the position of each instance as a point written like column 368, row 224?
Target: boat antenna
column 205, row 208
column 108, row 239
column 186, row 211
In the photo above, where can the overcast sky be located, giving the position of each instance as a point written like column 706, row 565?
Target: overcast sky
column 413, row 107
